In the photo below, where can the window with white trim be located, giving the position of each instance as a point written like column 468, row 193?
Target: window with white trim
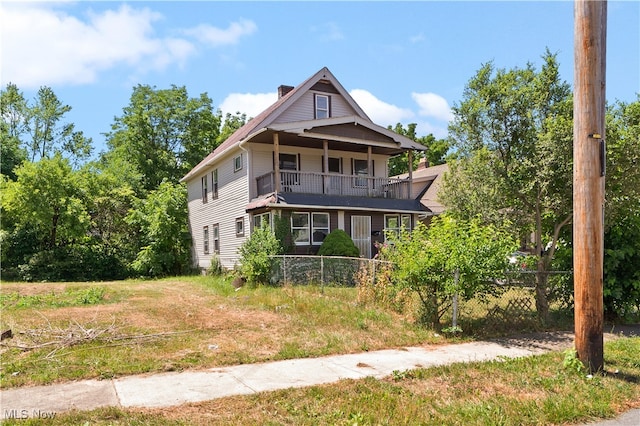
column 237, row 163
column 214, row 180
column 240, row 227
column 300, row 228
column 394, row 223
column 259, row 219
column 205, row 239
column 204, row 181
column 322, row 106
column 319, row 227
column 215, row 230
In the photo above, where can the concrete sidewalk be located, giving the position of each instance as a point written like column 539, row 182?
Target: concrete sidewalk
column 170, row 389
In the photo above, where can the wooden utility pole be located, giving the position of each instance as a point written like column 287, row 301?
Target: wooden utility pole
column 590, row 31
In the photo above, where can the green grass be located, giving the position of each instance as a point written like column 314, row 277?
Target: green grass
column 69, row 297
column 525, row 391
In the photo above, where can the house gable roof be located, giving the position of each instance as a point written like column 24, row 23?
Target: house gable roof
column 265, row 121
column 432, row 178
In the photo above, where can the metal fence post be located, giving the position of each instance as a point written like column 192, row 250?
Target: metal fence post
column 456, row 278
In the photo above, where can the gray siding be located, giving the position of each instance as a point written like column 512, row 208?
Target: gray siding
column 303, row 109
column 233, row 196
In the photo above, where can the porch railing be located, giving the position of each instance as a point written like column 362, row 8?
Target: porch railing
column 335, row 184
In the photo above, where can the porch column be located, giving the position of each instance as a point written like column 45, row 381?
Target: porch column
column 410, row 157
column 369, row 170
column 325, row 166
column 276, row 160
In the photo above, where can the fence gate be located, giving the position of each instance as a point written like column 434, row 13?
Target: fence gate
column 361, row 234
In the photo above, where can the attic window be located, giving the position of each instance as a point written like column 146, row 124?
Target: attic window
column 322, row 106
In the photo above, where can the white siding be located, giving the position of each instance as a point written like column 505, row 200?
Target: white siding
column 233, row 196
column 310, row 160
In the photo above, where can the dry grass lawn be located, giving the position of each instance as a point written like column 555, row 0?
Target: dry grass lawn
column 184, row 323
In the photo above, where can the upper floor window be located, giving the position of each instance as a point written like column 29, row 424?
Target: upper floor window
column 322, row 106
column 237, row 163
column 214, row 179
column 360, row 168
column 288, row 164
column 204, row 188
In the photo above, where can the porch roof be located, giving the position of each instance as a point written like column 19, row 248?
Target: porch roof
column 329, row 202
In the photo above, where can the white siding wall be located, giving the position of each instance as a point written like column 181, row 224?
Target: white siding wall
column 310, row 160
column 303, row 108
column 233, row 196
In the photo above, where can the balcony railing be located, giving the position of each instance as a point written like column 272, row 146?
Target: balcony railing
column 335, row 184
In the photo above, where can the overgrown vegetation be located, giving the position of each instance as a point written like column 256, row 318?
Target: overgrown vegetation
column 69, row 297
column 255, row 255
column 177, row 324
column 450, row 257
column 65, row 218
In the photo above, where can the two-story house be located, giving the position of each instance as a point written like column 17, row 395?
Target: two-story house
column 314, row 158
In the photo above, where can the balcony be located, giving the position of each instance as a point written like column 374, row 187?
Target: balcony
column 335, row 184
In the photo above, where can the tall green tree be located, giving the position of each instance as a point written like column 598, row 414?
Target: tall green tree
column 622, row 212
column 163, row 133
column 38, row 128
column 435, row 154
column 521, row 121
column 46, row 199
column 161, row 221
column 13, row 112
column 232, row 122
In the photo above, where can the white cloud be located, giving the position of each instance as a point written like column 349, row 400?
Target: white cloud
column 432, row 105
column 417, row 38
column 380, row 112
column 329, row 31
column 219, row 37
column 42, row 46
column 251, row 104
column 423, row 128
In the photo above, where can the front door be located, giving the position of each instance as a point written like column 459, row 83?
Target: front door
column 361, row 234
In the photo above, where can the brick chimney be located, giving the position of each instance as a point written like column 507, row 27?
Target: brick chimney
column 283, row 90
column 422, row 164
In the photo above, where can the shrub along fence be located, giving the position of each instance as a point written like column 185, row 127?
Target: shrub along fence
column 508, row 306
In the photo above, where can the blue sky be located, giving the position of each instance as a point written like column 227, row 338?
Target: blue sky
column 402, row 62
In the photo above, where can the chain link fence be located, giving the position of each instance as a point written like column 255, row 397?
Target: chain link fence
column 508, row 305
column 322, row 270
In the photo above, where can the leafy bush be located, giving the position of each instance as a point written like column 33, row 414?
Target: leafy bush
column 338, row 243
column 255, row 260
column 621, row 272
column 90, row 262
column 450, row 257
column 215, row 267
column 166, row 241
